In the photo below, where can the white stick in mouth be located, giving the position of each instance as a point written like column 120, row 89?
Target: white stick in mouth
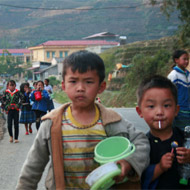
column 159, row 123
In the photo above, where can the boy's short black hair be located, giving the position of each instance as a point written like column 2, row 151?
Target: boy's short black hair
column 178, row 53
column 156, row 81
column 47, row 80
column 82, row 61
column 12, row 82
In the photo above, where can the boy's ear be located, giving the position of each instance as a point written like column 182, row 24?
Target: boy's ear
column 63, row 85
column 102, row 87
column 177, row 110
column 138, row 109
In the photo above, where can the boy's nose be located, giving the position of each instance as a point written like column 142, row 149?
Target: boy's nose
column 80, row 87
column 159, row 111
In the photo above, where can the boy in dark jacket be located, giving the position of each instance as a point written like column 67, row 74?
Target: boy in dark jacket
column 157, row 104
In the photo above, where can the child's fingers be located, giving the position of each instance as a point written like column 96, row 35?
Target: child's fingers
column 179, row 149
column 183, row 154
column 119, row 178
column 181, row 159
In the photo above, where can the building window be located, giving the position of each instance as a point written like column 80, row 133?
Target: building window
column 27, row 59
column 48, row 54
column 61, row 54
column 20, row 59
column 66, row 53
column 53, row 54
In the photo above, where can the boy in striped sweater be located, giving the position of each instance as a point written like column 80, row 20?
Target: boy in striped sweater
column 70, row 133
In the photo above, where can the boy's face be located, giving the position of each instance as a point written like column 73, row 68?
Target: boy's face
column 46, row 82
column 82, row 88
column 11, row 87
column 158, row 104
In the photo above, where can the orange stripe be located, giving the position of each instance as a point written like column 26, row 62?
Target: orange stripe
column 81, row 140
column 78, row 158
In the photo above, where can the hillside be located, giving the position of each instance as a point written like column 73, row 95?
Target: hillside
column 23, row 24
column 146, row 57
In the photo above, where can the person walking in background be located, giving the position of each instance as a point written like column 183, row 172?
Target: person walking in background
column 27, row 114
column 70, row 133
column 40, row 97
column 13, row 100
column 49, row 89
column 3, row 98
column 181, row 78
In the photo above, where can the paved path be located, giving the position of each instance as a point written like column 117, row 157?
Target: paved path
column 12, row 156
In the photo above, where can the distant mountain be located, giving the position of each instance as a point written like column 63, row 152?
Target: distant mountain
column 25, row 23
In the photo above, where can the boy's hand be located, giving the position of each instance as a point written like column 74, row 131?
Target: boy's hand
column 164, row 164
column 183, row 155
column 125, row 168
column 166, row 161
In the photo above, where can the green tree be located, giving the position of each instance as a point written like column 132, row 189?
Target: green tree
column 144, row 66
column 9, row 65
column 53, row 81
column 183, row 6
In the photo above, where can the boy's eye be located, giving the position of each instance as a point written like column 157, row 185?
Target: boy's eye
column 89, row 82
column 150, row 106
column 167, row 105
column 72, row 81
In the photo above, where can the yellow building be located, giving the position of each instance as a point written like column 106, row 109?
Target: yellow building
column 60, row 49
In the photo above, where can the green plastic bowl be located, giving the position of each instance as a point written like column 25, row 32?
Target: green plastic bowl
column 112, row 149
column 102, row 178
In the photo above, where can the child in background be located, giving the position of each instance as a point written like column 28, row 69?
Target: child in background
column 49, row 89
column 34, row 86
column 39, row 106
column 157, row 104
column 27, row 115
column 70, row 133
column 181, row 78
column 13, row 99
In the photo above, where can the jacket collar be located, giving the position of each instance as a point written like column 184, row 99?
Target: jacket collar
column 12, row 93
column 186, row 72
column 107, row 115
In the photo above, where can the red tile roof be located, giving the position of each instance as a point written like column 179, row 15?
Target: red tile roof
column 12, row 51
column 78, row 42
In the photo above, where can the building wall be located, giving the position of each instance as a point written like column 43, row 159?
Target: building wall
column 46, row 54
column 38, row 55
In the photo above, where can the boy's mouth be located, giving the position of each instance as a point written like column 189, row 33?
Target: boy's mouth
column 80, row 97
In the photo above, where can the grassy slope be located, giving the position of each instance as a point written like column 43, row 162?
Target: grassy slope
column 126, row 96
